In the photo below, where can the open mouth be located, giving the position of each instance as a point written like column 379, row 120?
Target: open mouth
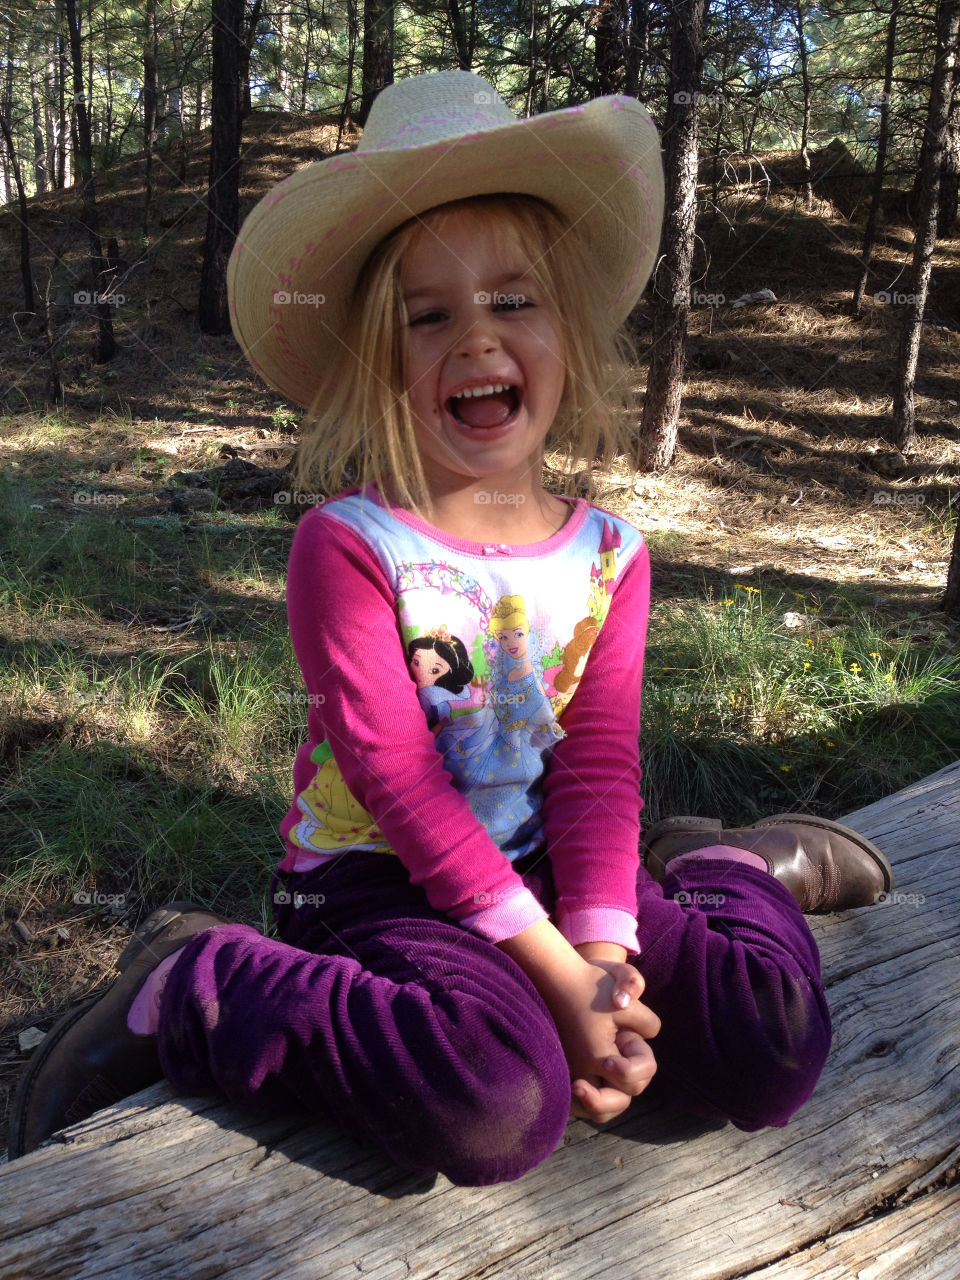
column 494, row 405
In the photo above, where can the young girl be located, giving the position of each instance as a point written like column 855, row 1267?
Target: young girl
column 469, row 952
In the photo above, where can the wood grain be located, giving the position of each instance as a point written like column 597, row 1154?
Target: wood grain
column 163, row 1186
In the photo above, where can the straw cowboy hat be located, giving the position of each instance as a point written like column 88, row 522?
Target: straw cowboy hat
column 428, row 140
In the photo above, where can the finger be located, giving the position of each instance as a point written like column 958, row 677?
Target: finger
column 629, row 1043
column 640, row 1018
column 628, row 985
column 597, row 1105
column 632, row 1073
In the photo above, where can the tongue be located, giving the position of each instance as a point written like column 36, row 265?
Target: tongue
column 485, row 411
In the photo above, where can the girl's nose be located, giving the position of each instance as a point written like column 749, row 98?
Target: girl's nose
column 480, row 336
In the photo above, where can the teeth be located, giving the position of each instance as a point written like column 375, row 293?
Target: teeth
column 483, row 391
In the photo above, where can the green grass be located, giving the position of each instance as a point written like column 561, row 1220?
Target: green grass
column 744, row 714
column 157, row 764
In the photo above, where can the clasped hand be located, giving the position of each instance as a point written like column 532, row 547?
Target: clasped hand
column 604, row 1043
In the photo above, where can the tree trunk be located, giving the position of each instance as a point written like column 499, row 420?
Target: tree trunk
column 805, row 124
column 671, row 296
column 346, row 111
column 106, row 343
column 150, row 51
column 283, row 69
column 6, row 103
column 377, row 51
column 223, row 190
column 460, row 40
column 64, row 154
column 51, row 93
column 29, row 303
column 636, row 63
column 935, row 133
column 547, row 60
column 106, row 132
column 250, row 36
column 950, row 169
column 39, row 142
column 532, row 58
column 870, row 233
column 609, row 41
column 951, row 601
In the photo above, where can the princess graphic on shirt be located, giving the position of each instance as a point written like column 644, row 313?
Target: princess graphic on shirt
column 439, row 664
column 519, row 699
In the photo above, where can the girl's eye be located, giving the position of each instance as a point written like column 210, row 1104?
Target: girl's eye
column 428, row 317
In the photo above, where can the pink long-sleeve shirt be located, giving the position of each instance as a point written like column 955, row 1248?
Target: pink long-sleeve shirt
column 469, row 703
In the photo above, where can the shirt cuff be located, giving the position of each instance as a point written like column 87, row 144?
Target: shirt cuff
column 503, row 915
column 601, row 924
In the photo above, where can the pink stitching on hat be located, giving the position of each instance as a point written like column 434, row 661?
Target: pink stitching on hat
column 280, row 339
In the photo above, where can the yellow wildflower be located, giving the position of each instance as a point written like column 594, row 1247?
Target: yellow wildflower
column 784, row 768
column 806, row 666
column 855, row 667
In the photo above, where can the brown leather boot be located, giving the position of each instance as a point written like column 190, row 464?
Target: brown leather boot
column 825, row 865
column 91, row 1059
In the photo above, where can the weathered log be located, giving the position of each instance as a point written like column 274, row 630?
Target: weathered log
column 163, row 1186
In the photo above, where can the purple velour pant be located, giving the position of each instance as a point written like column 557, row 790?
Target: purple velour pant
column 383, row 1015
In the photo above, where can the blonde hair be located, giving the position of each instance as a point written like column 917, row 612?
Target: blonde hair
column 508, row 612
column 359, row 427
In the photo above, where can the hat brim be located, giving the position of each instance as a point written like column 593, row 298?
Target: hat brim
column 292, row 272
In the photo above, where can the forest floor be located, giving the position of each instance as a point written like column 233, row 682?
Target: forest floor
column 784, row 480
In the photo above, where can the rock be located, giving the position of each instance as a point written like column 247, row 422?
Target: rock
column 762, row 295
column 21, row 932
column 29, row 1038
